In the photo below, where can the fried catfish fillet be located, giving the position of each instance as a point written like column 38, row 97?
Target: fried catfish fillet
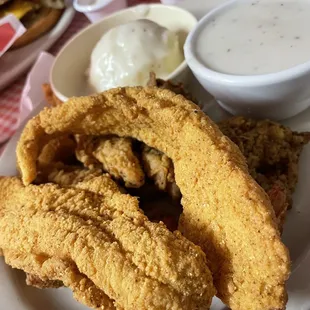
column 49, row 269
column 225, row 211
column 94, row 234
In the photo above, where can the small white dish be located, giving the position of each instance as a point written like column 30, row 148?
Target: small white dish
column 95, row 10
column 68, row 76
column 16, row 62
column 275, row 96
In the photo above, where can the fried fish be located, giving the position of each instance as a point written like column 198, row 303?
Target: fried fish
column 224, row 210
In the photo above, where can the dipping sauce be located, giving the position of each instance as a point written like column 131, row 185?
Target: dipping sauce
column 126, row 55
column 257, row 37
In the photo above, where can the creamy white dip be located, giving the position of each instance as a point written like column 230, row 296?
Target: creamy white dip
column 127, row 54
column 257, row 37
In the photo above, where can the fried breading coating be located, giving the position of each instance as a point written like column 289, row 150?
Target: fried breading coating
column 224, row 209
column 100, row 234
column 68, row 177
column 270, row 148
column 177, row 88
column 159, row 168
column 272, row 152
column 278, row 197
column 36, row 281
column 118, row 159
column 49, row 268
column 84, row 151
column 57, row 150
column 114, row 155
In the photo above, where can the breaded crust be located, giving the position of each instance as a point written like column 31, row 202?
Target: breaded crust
column 225, row 211
column 97, row 241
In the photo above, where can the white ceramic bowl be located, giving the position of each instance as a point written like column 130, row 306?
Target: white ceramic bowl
column 275, row 96
column 96, row 10
column 68, row 76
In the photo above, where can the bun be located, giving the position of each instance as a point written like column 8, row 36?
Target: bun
column 45, row 19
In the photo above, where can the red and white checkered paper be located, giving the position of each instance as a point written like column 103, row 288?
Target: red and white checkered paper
column 10, row 97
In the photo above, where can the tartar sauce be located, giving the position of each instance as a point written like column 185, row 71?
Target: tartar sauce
column 126, row 55
column 257, row 37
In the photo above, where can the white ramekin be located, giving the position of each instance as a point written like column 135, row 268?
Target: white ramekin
column 95, row 10
column 275, row 96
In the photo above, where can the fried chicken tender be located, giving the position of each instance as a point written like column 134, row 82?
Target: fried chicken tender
column 118, row 159
column 84, row 151
column 114, row 154
column 97, row 242
column 224, row 209
column 159, row 168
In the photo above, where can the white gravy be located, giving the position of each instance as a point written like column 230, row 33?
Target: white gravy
column 257, row 37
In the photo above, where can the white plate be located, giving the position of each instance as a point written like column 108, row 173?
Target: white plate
column 15, row 295
column 14, row 63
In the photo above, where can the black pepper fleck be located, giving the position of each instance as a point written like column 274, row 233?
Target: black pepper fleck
column 282, row 4
column 260, row 26
column 228, row 50
column 276, row 17
column 281, row 37
column 261, row 43
column 297, row 38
